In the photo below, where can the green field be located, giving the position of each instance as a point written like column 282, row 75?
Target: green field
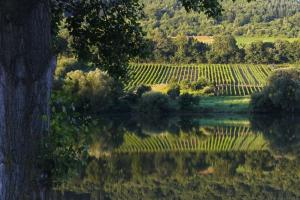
column 242, row 40
column 229, row 80
column 245, row 40
column 225, row 104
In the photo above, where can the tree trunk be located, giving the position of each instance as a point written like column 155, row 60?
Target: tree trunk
column 26, row 68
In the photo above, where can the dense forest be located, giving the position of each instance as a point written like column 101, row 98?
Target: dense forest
column 260, row 17
column 244, row 33
column 224, row 49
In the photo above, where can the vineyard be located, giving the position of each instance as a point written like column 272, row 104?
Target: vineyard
column 235, row 80
column 222, row 139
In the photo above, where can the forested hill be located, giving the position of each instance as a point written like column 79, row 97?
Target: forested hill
column 257, row 18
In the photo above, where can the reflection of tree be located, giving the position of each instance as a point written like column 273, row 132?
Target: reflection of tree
column 203, row 174
column 136, row 167
column 171, row 174
column 94, row 174
column 282, row 132
column 157, row 124
column 173, row 125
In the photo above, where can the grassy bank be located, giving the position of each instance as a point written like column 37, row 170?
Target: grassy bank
column 225, row 104
column 214, row 104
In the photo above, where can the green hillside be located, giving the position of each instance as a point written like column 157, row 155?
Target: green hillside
column 236, row 80
column 257, row 18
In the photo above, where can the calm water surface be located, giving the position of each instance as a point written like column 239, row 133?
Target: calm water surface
column 180, row 157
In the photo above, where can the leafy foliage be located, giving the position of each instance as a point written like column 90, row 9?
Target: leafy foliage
column 174, row 91
column 282, row 93
column 225, row 50
column 277, row 52
column 154, row 103
column 199, row 84
column 105, row 33
column 257, row 18
column 95, row 90
column 142, row 89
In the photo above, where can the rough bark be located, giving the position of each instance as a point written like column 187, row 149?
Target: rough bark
column 26, row 67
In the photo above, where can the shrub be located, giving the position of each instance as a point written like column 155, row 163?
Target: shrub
column 282, row 93
column 129, row 97
column 174, row 91
column 199, row 84
column 185, row 84
column 154, row 103
column 95, row 88
column 225, row 50
column 65, row 65
column 261, row 103
column 142, row 89
column 187, row 100
column 209, row 89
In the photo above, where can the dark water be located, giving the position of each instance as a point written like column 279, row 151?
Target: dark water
column 180, row 157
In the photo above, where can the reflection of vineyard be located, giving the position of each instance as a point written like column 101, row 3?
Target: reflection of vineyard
column 217, row 139
column 229, row 79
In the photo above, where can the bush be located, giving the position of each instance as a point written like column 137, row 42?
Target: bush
column 65, row 65
column 209, row 90
column 199, row 84
column 261, row 103
column 126, row 102
column 225, row 50
column 185, row 84
column 142, row 89
column 154, row 103
column 174, row 91
column 95, row 88
column 187, row 100
column 281, row 94
column 129, row 97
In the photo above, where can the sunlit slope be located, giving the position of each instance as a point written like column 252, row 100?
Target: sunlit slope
column 236, row 80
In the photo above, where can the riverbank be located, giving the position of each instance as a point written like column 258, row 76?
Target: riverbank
column 213, row 104
column 224, row 104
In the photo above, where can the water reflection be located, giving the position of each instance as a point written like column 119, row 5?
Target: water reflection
column 190, row 157
column 183, row 157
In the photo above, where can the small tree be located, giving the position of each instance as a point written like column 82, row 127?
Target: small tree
column 95, row 88
column 282, row 94
column 225, row 50
column 185, row 84
column 174, row 92
column 154, row 103
column 260, row 52
column 199, row 84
